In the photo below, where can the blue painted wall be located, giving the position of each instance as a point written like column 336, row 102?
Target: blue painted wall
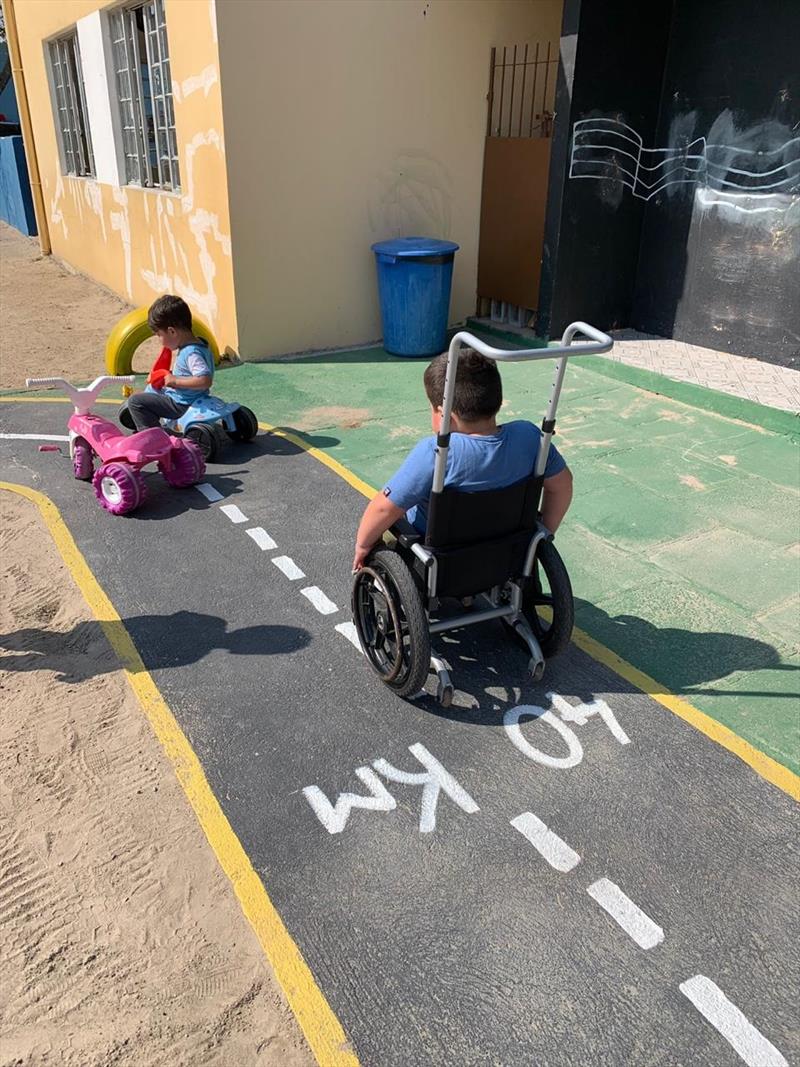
column 8, row 98
column 16, row 203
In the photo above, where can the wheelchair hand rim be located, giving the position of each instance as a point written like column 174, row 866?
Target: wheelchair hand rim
column 361, row 587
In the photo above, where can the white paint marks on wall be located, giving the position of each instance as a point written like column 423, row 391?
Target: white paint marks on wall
column 334, row 816
column 317, row 598
column 121, row 223
column 725, row 1017
column 434, row 780
column 287, row 566
column 235, row 514
column 348, row 630
column 548, row 844
column 261, row 538
column 626, row 914
column 204, row 80
column 209, row 492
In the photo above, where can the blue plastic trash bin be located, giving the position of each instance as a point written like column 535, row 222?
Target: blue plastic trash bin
column 414, row 277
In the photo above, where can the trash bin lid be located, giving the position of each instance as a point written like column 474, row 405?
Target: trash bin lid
column 413, row 247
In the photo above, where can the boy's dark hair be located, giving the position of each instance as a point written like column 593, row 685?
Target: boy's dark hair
column 169, row 311
column 479, row 390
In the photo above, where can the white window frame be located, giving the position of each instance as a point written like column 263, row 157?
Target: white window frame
column 69, row 104
column 145, row 105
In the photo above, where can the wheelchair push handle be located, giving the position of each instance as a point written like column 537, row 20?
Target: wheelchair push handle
column 598, row 343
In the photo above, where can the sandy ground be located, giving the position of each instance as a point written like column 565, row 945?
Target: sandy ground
column 122, row 940
column 53, row 322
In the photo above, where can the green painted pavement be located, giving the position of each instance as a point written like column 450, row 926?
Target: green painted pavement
column 682, row 542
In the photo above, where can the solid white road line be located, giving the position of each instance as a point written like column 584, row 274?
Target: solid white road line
column 348, row 630
column 630, row 917
column 261, row 538
column 209, row 492
column 315, row 595
column 33, row 437
column 233, row 513
column 549, row 845
column 725, row 1017
column 289, row 567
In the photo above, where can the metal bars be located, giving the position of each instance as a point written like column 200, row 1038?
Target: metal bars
column 521, row 91
column 144, row 92
column 76, row 139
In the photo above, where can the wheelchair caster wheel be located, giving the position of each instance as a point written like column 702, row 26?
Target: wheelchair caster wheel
column 537, row 669
column 444, row 694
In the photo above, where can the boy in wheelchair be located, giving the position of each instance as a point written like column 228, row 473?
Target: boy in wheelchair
column 482, row 455
column 484, row 535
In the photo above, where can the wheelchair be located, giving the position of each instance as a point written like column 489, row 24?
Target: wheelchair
column 485, row 552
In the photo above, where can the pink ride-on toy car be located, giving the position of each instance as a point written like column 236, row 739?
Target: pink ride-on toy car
column 118, row 481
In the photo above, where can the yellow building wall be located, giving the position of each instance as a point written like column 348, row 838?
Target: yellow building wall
column 349, row 121
column 144, row 242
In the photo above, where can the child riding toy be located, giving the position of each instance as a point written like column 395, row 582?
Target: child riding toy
column 118, row 481
column 486, row 550
column 201, row 421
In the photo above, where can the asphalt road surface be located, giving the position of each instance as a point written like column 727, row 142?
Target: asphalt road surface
column 548, row 873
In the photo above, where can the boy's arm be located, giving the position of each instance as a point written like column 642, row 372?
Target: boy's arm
column 197, row 381
column 378, row 516
column 556, row 498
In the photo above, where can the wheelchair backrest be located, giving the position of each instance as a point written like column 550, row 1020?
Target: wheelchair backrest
column 457, row 519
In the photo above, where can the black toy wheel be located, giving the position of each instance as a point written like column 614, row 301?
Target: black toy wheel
column 246, row 425
column 125, row 417
column 547, row 603
column 391, row 622
column 205, row 439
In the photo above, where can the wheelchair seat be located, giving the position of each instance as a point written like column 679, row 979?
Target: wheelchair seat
column 474, row 540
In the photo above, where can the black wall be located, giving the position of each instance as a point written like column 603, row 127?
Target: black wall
column 711, row 253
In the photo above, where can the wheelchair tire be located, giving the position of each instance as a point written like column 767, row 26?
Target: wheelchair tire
column 246, row 425
column 206, row 440
column 385, row 598
column 554, row 634
column 125, row 417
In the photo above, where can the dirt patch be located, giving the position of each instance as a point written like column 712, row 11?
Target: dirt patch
column 730, row 460
column 323, row 417
column 692, row 482
column 122, row 940
column 66, row 334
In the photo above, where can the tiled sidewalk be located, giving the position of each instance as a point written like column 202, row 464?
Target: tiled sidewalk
column 764, row 383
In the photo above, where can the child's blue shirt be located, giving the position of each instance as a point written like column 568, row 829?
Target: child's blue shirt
column 474, row 463
column 193, row 361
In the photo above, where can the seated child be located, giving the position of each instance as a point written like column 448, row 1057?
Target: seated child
column 482, row 455
column 170, row 319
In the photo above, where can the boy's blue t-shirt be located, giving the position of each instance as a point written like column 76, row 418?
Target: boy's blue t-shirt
column 192, row 361
column 474, row 463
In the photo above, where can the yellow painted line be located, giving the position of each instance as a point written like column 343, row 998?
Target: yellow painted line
column 322, row 1029
column 52, row 400
column 761, row 763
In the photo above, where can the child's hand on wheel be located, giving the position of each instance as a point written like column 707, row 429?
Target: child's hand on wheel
column 360, row 557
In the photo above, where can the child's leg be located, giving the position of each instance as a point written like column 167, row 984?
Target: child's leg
column 147, row 408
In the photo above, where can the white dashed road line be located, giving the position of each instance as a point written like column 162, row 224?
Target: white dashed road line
column 233, row 513
column 209, row 492
column 549, row 845
column 33, row 437
column 315, row 595
column 725, row 1017
column 289, row 567
column 628, row 915
column 261, row 538
column 348, row 630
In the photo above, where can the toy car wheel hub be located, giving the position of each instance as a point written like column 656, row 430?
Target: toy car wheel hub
column 111, row 490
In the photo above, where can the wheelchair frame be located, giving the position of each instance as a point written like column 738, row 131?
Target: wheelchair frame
column 423, row 559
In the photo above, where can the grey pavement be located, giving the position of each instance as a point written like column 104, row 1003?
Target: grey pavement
column 743, row 376
column 578, row 854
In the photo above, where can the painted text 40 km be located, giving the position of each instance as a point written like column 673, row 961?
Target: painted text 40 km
column 433, row 779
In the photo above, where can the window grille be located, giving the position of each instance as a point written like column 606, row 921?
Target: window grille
column 144, row 93
column 73, row 128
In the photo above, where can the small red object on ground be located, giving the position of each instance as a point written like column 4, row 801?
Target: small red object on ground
column 49, row 448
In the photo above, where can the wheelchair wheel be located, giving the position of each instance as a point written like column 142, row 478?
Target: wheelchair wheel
column 126, row 418
column 547, row 603
column 391, row 622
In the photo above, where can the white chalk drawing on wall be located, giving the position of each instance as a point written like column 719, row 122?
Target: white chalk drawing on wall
column 739, row 177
